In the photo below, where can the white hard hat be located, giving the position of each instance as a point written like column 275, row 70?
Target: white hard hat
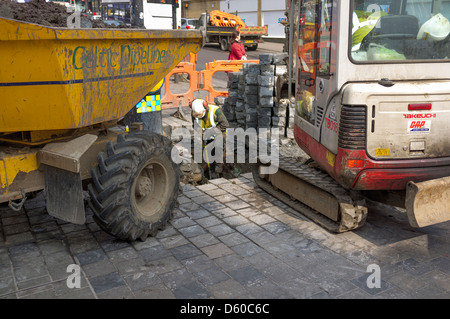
column 198, row 108
column 437, row 28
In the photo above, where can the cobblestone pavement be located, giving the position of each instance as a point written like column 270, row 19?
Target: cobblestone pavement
column 227, row 239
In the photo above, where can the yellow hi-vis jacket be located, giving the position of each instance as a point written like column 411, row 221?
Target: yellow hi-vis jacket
column 210, row 122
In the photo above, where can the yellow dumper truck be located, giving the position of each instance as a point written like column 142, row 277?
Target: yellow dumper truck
column 62, row 93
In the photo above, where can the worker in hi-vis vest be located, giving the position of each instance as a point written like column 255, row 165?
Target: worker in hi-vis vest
column 211, row 120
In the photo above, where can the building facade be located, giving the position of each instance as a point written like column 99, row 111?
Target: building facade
column 192, row 9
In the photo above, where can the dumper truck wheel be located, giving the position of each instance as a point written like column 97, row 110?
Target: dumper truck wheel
column 135, row 186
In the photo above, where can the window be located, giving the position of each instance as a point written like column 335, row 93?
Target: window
column 116, row 11
column 163, row 1
column 400, row 30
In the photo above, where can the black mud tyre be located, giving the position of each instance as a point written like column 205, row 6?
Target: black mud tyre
column 135, row 186
column 224, row 44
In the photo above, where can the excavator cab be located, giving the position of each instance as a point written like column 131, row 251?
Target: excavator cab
column 372, row 93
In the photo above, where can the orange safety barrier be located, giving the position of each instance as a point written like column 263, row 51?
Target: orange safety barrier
column 171, row 100
column 313, row 54
column 308, row 54
column 198, row 80
column 206, row 75
column 223, row 19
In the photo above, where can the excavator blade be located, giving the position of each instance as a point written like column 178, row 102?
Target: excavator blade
column 428, row 203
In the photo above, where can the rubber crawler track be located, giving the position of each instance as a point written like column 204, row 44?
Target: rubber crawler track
column 350, row 219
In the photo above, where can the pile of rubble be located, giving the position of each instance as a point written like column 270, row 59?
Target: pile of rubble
column 49, row 14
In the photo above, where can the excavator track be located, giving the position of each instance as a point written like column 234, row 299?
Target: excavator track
column 352, row 210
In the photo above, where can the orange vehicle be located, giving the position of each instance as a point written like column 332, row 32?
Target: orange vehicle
column 220, row 25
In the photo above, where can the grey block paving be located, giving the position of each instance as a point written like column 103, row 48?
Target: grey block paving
column 227, row 239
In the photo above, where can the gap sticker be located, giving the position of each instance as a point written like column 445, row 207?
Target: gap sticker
column 417, row 127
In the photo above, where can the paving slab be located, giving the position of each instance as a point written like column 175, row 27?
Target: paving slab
column 227, row 239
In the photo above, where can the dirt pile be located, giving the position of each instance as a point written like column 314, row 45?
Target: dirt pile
column 36, row 11
column 44, row 13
